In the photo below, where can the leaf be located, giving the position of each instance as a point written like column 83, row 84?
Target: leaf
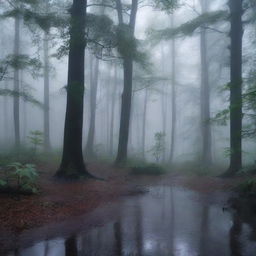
column 2, row 183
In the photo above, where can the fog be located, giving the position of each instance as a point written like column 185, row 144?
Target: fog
column 158, row 89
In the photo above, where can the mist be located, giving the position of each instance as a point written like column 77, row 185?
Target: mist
column 103, row 90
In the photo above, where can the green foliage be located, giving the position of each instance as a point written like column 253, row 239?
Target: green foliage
column 100, row 34
column 247, row 188
column 21, row 62
column 159, row 146
column 188, row 28
column 36, row 139
column 21, row 177
column 148, row 169
column 26, row 96
column 221, row 117
column 164, row 5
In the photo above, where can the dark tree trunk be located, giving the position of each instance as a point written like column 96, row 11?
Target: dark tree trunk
column 94, row 74
column 205, row 97
column 127, row 91
column 236, row 35
column 16, row 101
column 72, row 164
column 173, row 99
column 47, row 144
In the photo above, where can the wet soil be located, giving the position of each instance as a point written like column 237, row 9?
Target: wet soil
column 62, row 209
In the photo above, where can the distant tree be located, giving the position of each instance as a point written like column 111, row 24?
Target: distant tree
column 173, row 99
column 203, row 22
column 94, row 75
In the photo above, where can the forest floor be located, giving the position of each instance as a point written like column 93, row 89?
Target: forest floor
column 59, row 201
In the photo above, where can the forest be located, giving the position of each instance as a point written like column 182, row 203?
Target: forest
column 127, row 127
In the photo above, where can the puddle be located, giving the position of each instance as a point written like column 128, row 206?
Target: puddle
column 166, row 221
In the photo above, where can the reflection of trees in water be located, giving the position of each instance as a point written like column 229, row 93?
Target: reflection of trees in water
column 234, row 235
column 139, row 229
column 118, row 238
column 204, row 230
column 71, row 247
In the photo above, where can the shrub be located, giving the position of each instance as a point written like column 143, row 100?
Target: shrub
column 20, row 178
column 247, row 188
column 148, row 169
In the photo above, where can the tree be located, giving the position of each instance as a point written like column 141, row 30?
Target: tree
column 236, row 35
column 206, row 152
column 173, row 99
column 127, row 32
column 202, row 22
column 47, row 144
column 72, row 163
column 16, row 84
column 94, row 74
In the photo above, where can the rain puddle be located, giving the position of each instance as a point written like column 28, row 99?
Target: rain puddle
column 165, row 221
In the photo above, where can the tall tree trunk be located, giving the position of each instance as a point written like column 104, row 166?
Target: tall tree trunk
column 6, row 120
column 16, row 101
column 205, row 96
column 127, row 91
column 72, row 164
column 113, row 104
column 47, row 144
column 94, row 74
column 164, row 104
column 144, row 120
column 173, row 99
column 236, row 35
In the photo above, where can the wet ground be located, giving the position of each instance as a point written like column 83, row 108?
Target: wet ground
column 165, row 221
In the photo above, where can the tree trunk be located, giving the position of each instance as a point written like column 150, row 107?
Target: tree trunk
column 127, row 91
column 94, row 74
column 173, row 99
column 164, row 104
column 72, row 164
column 125, row 112
column 16, row 101
column 47, row 144
column 236, row 35
column 6, row 120
column 113, row 104
column 144, row 123
column 205, row 97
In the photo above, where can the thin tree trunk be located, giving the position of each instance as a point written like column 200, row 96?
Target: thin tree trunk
column 16, row 101
column 94, row 74
column 113, row 104
column 144, row 120
column 6, row 120
column 127, row 91
column 164, row 105
column 236, row 35
column 205, row 96
column 173, row 99
column 47, row 144
column 72, row 164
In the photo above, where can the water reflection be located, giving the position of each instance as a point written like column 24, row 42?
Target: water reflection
column 164, row 222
